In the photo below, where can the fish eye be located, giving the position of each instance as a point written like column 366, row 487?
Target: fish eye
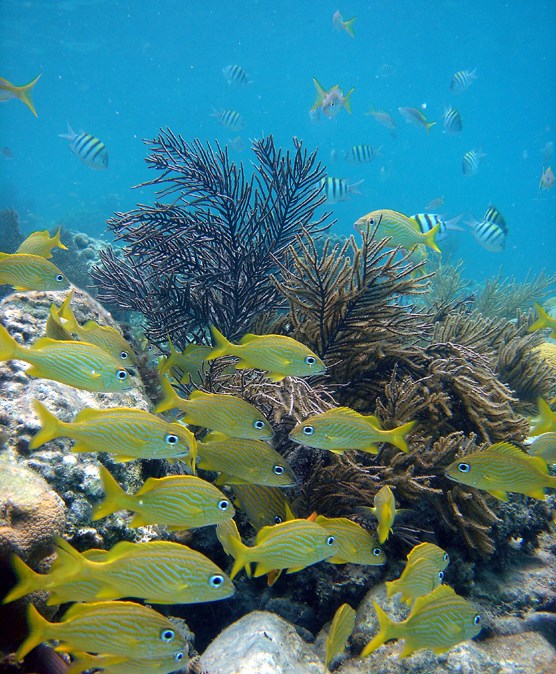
column 308, row 430
column 464, row 467
column 223, row 505
column 441, row 576
column 446, row 557
column 122, row 375
column 278, row 519
column 377, row 552
column 216, row 580
column 171, row 439
column 371, row 221
column 259, row 424
column 178, row 657
column 278, row 469
column 167, row 635
column 59, row 277
column 330, row 540
column 477, row 619
column 310, row 360
column 123, row 354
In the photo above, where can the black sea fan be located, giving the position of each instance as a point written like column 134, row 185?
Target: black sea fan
column 206, row 257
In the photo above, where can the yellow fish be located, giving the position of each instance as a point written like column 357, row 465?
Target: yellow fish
column 190, row 362
column 544, row 446
column 354, row 545
column 384, row 510
column 503, row 468
column 239, row 461
column 41, row 243
column 30, row 272
column 115, row 627
column 339, row 632
column 432, row 553
column 291, row 545
column 545, row 422
column 125, row 432
column 544, row 321
column 23, row 92
column 224, row 413
column 438, row 621
column 263, row 506
column 418, row 578
column 341, row 429
column 54, row 326
column 117, row 664
column 277, row 355
column 404, row 231
column 331, row 101
column 78, row 364
column 177, row 501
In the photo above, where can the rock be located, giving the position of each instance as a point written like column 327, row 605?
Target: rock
column 260, row 643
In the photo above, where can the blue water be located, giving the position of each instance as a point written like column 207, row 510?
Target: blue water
column 121, row 70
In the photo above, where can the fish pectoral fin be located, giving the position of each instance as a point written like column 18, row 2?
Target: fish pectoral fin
column 108, row 592
column 370, row 449
column 94, row 374
column 497, row 493
column 243, row 365
column 275, row 376
column 181, row 527
column 538, row 493
column 273, row 576
column 34, row 371
column 295, row 569
column 121, row 458
column 79, row 447
column 336, row 560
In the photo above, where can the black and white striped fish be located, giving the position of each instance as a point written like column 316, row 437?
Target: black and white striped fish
column 363, row 154
column 88, row 148
column 427, row 221
column 471, row 162
column 462, row 80
column 338, row 189
column 491, row 232
column 451, row 121
column 236, row 75
column 229, row 118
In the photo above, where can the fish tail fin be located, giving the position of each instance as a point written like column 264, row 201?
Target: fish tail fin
column 68, row 559
column 9, row 348
column 70, row 134
column 347, row 102
column 170, row 398
column 222, row 346
column 397, row 436
column 38, row 627
column 321, row 95
column 28, row 580
column 56, row 241
column 453, row 223
column 385, row 632
column 353, row 188
column 115, row 497
column 542, row 319
column 430, row 236
column 66, row 313
column 348, row 25
column 24, row 94
column 166, row 364
column 429, row 125
column 50, row 426
column 391, row 588
column 239, row 550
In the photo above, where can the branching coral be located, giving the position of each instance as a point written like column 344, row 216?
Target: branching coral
column 207, row 257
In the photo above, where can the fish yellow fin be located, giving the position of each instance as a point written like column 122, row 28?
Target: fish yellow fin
column 28, row 580
column 222, row 346
column 170, row 399
column 24, row 94
column 538, row 494
column 321, row 95
column 387, row 630
column 115, row 497
column 429, row 237
column 56, row 241
column 348, row 26
column 215, row 436
column 500, row 495
column 38, row 627
column 50, row 426
column 274, row 376
column 347, row 102
column 542, row 321
column 9, row 348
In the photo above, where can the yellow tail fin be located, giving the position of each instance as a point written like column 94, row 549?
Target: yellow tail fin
column 38, row 632
column 348, row 25
column 170, row 399
column 24, row 94
column 397, row 437
column 115, row 497
column 429, row 238
column 50, row 426
column 28, row 580
column 8, row 346
column 222, row 347
column 384, row 634
column 56, row 240
column 347, row 102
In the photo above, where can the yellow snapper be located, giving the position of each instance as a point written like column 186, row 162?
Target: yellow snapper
column 78, row 364
column 117, row 664
column 125, row 432
column 545, row 447
column 503, row 468
column 291, row 545
column 418, row 578
column 384, row 510
column 240, row 461
column 225, row 413
column 404, row 231
column 190, row 362
column 340, row 23
column 22, row 92
column 341, row 429
column 545, row 422
column 432, row 553
column 331, row 101
column 277, row 355
column 438, row 621
column 339, row 632
column 416, row 117
column 115, row 627
column 30, row 272
column 354, row 545
column 104, row 336
column 263, row 506
column 41, row 244
column 177, row 501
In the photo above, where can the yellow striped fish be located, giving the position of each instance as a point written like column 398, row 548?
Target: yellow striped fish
column 41, row 244
column 438, row 621
column 432, row 553
column 544, row 321
column 384, row 510
column 125, row 432
column 339, row 632
column 177, row 501
column 54, row 326
column 277, row 355
column 341, row 429
column 263, row 506
column 545, row 422
column 291, row 545
column 239, row 461
column 222, row 412
column 404, row 231
column 117, row 664
column 185, row 366
column 418, row 578
column 30, row 272
column 354, row 545
column 503, row 468
column 545, row 447
column 78, row 364
column 115, row 627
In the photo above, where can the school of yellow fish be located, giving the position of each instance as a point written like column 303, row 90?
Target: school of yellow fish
column 100, row 631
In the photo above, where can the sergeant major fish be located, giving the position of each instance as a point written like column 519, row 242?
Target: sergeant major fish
column 462, row 80
column 231, row 119
column 236, row 75
column 24, row 271
column 491, row 232
column 427, row 221
column 338, row 189
column 471, row 162
column 88, row 148
column 363, row 154
column 452, row 121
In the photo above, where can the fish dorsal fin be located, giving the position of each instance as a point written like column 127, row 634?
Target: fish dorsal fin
column 348, row 412
column 120, row 549
column 441, row 592
column 511, row 451
column 215, row 436
column 198, row 395
column 249, row 337
column 47, row 341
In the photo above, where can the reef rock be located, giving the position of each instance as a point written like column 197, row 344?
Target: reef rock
column 260, row 643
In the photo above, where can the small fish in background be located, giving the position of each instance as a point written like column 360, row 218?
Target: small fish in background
column 41, row 243
column 384, row 510
column 434, row 205
column 186, row 366
column 339, row 23
column 340, row 630
column 236, row 143
column 491, row 232
column 451, row 121
column 547, row 179
column 404, row 231
column 363, row 154
column 338, row 189
column 432, row 553
column 231, row 119
column 6, row 152
column 416, row 117
column 439, row 620
column 382, row 118
column 385, row 71
column 88, row 148
column 9, row 91
column 544, row 446
column 332, row 101
column 263, row 506
column 30, row 272
column 427, row 221
column 548, row 152
column 544, row 321
column 236, row 76
column 471, row 162
column 462, row 80
column 545, row 422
